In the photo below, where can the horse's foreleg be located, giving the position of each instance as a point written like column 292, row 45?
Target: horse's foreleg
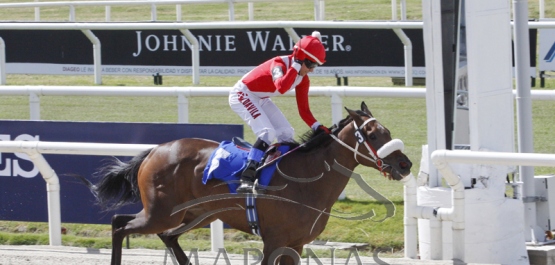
column 119, row 221
column 274, row 255
column 291, row 258
column 172, row 244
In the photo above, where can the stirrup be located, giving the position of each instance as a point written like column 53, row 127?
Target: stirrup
column 248, row 176
column 245, row 187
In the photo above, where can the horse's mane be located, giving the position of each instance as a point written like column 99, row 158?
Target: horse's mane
column 314, row 139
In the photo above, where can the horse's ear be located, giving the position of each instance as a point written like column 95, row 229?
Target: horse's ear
column 353, row 114
column 364, row 108
column 350, row 111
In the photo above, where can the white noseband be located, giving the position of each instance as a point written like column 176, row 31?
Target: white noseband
column 391, row 147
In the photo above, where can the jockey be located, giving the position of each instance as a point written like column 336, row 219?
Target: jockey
column 250, row 99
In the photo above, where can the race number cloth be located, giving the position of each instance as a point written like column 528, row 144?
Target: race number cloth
column 228, row 161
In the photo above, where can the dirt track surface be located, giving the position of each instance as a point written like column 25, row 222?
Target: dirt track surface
column 50, row 255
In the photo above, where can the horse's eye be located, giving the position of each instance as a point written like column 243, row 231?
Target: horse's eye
column 372, row 136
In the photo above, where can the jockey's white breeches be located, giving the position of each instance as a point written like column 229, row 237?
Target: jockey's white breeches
column 265, row 119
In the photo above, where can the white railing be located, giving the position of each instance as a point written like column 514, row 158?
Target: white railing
column 456, row 213
column 35, row 150
column 336, row 93
column 319, row 6
column 184, row 93
column 185, row 28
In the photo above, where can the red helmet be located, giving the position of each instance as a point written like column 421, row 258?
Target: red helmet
column 311, row 47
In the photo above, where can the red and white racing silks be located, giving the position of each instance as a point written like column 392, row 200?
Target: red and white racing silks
column 250, row 98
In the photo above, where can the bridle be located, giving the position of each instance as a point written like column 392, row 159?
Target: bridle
column 376, row 155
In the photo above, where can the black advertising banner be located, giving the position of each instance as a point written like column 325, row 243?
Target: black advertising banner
column 23, row 190
column 229, row 52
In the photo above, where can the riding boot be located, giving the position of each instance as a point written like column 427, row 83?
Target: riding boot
column 249, row 173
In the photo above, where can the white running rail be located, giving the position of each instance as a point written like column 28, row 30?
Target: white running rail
column 319, row 6
column 336, row 93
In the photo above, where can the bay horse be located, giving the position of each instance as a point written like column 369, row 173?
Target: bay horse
column 170, row 175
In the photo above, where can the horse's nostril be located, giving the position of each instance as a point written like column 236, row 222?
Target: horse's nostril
column 404, row 165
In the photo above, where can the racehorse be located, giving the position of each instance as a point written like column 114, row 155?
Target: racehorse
column 169, row 175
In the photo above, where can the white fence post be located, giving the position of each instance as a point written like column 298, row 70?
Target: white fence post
column 34, row 106
column 408, row 55
column 108, row 13
column 217, row 235
column 53, row 196
column 2, row 62
column 195, row 55
column 336, row 108
column 153, row 15
column 178, row 13
column 251, row 11
column 231, row 10
column 97, row 50
column 37, row 12
column 182, row 108
column 72, row 13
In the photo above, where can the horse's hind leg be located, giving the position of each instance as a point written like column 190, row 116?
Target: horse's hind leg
column 173, row 245
column 119, row 221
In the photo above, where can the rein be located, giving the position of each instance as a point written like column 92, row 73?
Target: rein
column 377, row 155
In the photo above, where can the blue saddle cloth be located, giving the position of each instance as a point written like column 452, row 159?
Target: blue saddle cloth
column 228, row 161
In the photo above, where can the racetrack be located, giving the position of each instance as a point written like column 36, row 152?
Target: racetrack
column 50, row 255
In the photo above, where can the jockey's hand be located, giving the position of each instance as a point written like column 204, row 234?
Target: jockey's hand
column 322, row 129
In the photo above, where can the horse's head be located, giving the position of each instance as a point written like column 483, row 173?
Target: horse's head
column 373, row 145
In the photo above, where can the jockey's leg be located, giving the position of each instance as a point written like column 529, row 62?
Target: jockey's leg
column 284, row 132
column 249, row 173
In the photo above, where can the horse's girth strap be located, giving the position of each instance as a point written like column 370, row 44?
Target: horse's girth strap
column 252, row 214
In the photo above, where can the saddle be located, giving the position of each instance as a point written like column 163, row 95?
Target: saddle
column 228, row 161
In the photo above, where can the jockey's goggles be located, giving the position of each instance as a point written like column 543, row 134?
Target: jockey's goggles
column 310, row 64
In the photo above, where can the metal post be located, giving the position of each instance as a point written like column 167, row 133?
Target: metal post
column 178, row 13
column 322, row 7
column 217, row 235
column 34, row 106
column 336, row 108
column 394, row 10
column 251, row 11
column 182, row 108
column 542, row 9
column 336, row 115
column 317, row 10
column 195, row 55
column 2, row 62
column 231, row 11
column 524, row 112
column 53, row 194
column 108, row 13
column 37, row 12
column 72, row 13
column 408, row 55
column 97, row 55
column 153, row 12
column 293, row 34
column 403, row 10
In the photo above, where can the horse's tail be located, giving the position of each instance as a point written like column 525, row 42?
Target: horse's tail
column 118, row 184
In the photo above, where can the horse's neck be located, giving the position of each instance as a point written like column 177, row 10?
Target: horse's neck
column 342, row 154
